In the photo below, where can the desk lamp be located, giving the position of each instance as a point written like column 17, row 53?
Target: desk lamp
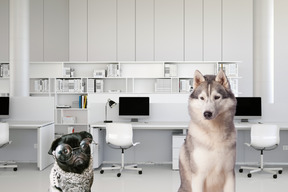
column 111, row 104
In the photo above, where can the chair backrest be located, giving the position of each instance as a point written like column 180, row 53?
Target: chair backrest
column 264, row 135
column 4, row 133
column 119, row 134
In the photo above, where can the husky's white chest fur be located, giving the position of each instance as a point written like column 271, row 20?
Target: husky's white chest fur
column 212, row 149
column 207, row 157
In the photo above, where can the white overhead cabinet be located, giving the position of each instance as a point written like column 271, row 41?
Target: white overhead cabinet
column 36, row 30
column 56, row 30
column 102, row 30
column 4, row 30
column 169, row 39
column 144, row 49
column 193, row 30
column 126, row 30
column 78, row 26
column 212, row 30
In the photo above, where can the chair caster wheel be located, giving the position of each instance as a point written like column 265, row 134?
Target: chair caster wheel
column 280, row 171
column 275, row 176
column 118, row 174
column 240, row 170
column 15, row 169
column 140, row 172
column 249, row 175
column 102, row 171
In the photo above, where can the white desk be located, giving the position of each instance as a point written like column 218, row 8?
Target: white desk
column 45, row 137
column 99, row 136
column 178, row 125
column 149, row 125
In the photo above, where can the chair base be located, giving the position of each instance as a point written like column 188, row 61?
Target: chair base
column 9, row 164
column 122, row 167
column 273, row 170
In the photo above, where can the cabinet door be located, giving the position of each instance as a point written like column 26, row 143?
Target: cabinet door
column 169, row 21
column 56, row 30
column 102, row 30
column 212, row 45
column 78, row 30
column 126, row 30
column 36, row 30
column 4, row 30
column 144, row 30
column 193, row 30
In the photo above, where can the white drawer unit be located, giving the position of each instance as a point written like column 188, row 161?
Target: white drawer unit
column 177, row 142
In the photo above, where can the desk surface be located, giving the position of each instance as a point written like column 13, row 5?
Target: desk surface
column 28, row 124
column 178, row 125
column 148, row 125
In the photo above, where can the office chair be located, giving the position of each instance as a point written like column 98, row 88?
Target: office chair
column 4, row 140
column 120, row 136
column 264, row 137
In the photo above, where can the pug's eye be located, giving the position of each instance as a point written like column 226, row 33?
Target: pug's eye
column 63, row 152
column 84, row 144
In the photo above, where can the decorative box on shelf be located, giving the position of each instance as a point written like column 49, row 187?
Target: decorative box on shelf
column 68, row 120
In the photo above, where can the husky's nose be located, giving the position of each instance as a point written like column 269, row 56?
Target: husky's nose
column 207, row 114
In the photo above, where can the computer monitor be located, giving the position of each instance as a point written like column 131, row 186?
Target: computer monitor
column 134, row 107
column 248, row 108
column 4, row 107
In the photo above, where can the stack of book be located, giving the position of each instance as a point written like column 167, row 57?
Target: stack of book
column 69, row 85
column 112, row 70
column 231, row 70
column 41, row 85
column 4, row 70
column 170, row 70
column 185, row 85
column 83, row 101
column 95, row 86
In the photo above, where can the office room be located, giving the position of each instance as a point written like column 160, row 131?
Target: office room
column 85, row 65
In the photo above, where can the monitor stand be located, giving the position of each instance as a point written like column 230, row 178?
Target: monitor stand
column 134, row 120
column 244, row 121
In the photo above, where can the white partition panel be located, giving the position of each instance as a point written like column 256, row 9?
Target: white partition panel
column 31, row 109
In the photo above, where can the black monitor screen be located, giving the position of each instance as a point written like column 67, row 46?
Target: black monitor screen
column 134, row 106
column 248, row 106
column 4, row 105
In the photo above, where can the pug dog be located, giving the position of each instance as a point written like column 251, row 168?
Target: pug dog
column 73, row 167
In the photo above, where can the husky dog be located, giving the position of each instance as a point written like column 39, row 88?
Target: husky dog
column 207, row 157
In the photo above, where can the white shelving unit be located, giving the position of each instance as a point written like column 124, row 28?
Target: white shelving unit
column 70, row 81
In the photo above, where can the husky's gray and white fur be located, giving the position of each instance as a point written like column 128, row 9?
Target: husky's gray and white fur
column 207, row 157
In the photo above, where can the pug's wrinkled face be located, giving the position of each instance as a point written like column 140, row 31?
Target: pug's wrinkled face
column 72, row 151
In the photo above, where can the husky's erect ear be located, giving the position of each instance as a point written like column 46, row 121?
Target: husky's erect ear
column 198, row 79
column 222, row 79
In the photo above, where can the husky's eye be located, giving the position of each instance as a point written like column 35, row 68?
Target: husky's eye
column 217, row 97
column 202, row 98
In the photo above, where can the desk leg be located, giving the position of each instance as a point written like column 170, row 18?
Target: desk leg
column 44, row 139
column 97, row 150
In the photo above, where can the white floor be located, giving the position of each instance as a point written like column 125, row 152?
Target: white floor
column 158, row 178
